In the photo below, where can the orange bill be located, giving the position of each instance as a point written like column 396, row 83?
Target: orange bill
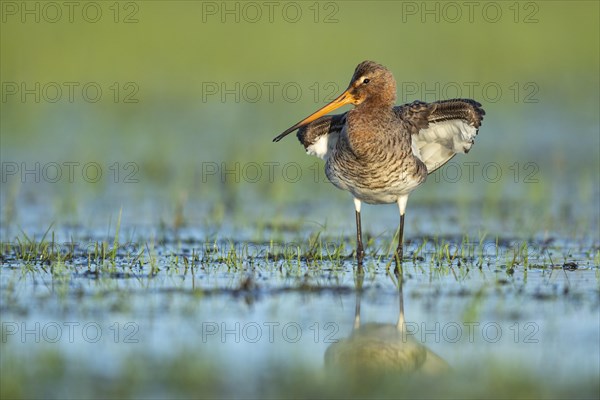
column 342, row 100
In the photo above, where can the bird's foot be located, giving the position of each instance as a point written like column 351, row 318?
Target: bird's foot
column 360, row 255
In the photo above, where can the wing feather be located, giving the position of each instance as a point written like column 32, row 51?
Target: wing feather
column 320, row 136
column 441, row 129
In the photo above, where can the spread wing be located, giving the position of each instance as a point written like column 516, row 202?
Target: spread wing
column 441, row 129
column 320, row 136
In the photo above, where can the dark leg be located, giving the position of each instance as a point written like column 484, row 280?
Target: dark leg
column 360, row 253
column 399, row 249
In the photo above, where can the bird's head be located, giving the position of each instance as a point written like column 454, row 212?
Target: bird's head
column 371, row 84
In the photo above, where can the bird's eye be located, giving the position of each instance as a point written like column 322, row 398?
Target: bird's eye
column 366, row 80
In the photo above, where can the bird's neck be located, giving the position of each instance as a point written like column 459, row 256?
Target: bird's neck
column 375, row 109
column 380, row 104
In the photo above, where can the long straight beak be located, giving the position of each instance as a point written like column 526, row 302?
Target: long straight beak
column 342, row 100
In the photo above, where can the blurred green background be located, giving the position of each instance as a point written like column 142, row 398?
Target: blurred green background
column 163, row 66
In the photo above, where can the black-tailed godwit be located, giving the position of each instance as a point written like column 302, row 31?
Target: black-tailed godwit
column 380, row 152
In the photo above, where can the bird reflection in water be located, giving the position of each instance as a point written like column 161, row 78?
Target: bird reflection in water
column 374, row 348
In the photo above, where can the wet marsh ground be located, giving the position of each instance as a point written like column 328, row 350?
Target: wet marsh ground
column 248, row 307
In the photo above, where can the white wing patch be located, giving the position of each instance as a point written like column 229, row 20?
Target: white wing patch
column 324, row 145
column 441, row 141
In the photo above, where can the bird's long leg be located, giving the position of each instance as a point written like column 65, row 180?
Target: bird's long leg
column 360, row 253
column 400, row 250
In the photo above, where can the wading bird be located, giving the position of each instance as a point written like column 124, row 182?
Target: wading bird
column 380, row 152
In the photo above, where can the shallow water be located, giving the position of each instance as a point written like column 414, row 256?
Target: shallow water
column 245, row 306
